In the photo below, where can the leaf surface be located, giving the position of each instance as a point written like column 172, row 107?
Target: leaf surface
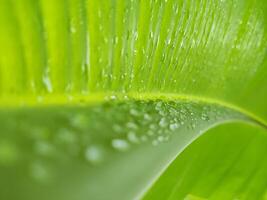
column 98, row 97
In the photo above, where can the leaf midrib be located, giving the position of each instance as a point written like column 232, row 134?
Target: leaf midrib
column 37, row 101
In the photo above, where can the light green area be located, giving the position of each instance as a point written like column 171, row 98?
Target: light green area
column 97, row 98
column 216, row 167
column 199, row 48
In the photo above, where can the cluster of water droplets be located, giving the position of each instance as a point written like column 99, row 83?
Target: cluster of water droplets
column 91, row 135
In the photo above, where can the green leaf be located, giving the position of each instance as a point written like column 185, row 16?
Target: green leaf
column 99, row 98
column 216, row 167
column 101, row 147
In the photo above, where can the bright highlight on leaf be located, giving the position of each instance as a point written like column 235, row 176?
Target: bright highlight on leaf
column 110, row 99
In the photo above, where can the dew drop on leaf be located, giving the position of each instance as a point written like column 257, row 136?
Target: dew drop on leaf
column 131, row 125
column 147, row 117
column 163, row 122
column 132, row 137
column 39, row 172
column 117, row 128
column 173, row 126
column 120, row 144
column 134, row 112
column 94, row 154
column 160, row 138
column 43, row 148
column 47, row 83
column 65, row 136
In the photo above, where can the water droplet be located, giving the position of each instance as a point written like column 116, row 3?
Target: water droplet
column 131, row 125
column 204, row 117
column 134, row 112
column 160, row 138
column 117, row 128
column 94, row 154
column 73, row 29
column 65, row 136
column 173, row 126
column 158, row 106
column 151, row 35
column 168, row 41
column 163, row 122
column 39, row 172
column 47, row 83
column 120, row 144
column 132, row 137
column 115, row 40
column 147, row 117
column 43, row 148
column 112, row 97
column 152, row 127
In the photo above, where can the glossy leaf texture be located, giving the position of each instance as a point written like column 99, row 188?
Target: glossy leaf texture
column 98, row 98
